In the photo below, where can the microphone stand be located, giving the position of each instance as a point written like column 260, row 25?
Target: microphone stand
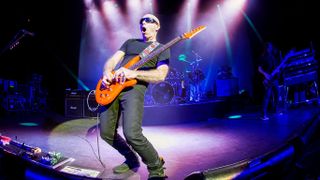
column 14, row 42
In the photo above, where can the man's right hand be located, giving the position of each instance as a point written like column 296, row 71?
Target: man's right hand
column 107, row 78
column 108, row 74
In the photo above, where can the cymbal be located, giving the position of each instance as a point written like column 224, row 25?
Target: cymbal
column 185, row 61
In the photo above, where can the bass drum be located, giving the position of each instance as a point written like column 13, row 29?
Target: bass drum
column 162, row 93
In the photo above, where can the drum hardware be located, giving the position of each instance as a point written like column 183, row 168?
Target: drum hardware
column 195, row 76
column 174, row 74
column 171, row 91
column 163, row 93
column 177, row 88
column 181, row 92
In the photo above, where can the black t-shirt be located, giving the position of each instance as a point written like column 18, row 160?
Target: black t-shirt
column 133, row 47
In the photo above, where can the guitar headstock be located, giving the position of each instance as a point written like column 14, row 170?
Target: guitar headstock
column 190, row 34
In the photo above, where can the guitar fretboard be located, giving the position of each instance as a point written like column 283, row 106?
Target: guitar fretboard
column 155, row 53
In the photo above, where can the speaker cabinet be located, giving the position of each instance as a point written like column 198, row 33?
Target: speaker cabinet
column 93, row 105
column 74, row 107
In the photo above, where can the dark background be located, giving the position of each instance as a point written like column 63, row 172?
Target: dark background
column 52, row 52
column 54, row 49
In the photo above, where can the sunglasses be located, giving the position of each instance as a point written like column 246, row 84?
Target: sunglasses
column 148, row 20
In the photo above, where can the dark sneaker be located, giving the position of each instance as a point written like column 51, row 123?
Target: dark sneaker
column 126, row 166
column 157, row 173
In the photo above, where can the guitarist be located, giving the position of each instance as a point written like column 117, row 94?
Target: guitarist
column 130, row 102
column 268, row 61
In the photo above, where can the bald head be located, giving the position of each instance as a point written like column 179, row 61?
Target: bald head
column 150, row 17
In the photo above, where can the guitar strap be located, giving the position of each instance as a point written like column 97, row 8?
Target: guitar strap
column 149, row 49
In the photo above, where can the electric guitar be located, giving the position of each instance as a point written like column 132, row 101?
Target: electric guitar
column 105, row 95
column 268, row 82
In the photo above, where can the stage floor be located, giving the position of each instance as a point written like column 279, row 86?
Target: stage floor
column 186, row 147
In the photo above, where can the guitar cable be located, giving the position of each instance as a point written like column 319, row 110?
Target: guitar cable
column 93, row 109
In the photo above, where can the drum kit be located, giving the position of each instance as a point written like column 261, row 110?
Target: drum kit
column 178, row 87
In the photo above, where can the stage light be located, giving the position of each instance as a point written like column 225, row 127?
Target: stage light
column 226, row 36
column 252, row 26
column 88, row 4
column 112, row 14
column 234, row 5
column 187, row 15
column 29, row 124
column 234, row 117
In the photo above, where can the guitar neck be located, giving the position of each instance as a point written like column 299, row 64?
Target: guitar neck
column 282, row 64
column 274, row 72
column 155, row 53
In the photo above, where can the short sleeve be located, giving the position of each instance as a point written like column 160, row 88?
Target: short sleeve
column 164, row 58
column 123, row 47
